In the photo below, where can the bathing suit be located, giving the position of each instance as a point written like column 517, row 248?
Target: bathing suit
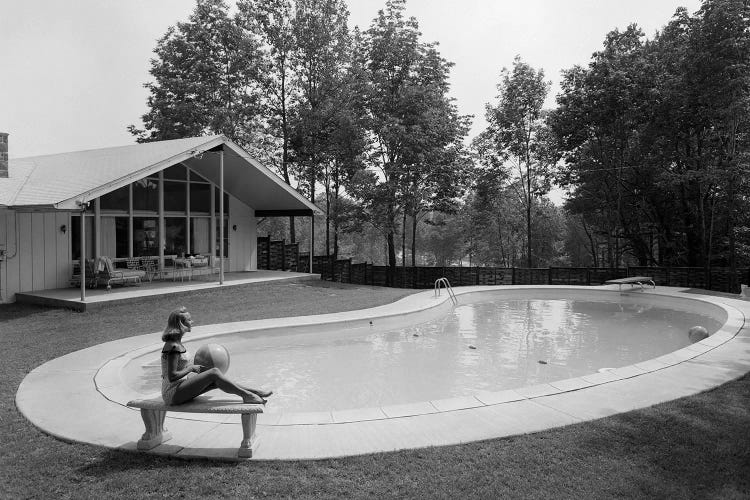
column 168, row 389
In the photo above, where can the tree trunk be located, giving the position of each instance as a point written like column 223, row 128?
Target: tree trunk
column 414, row 241
column 403, row 240
column 528, row 232
column 328, row 220
column 391, row 274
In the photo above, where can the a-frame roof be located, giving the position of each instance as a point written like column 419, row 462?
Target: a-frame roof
column 63, row 181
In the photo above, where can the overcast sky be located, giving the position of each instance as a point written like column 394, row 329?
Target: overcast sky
column 72, row 72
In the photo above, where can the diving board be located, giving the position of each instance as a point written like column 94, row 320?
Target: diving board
column 632, row 281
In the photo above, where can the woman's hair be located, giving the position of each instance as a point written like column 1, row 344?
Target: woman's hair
column 176, row 325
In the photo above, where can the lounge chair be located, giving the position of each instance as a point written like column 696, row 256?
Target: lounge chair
column 108, row 275
column 632, row 281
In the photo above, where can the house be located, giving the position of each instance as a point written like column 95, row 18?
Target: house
column 194, row 196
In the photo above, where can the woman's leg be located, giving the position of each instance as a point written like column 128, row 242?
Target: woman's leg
column 212, row 379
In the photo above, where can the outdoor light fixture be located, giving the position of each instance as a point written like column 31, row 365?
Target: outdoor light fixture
column 63, row 229
column 234, row 227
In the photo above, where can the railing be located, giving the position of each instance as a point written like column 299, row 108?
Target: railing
column 447, row 284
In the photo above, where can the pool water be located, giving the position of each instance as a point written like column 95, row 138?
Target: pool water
column 489, row 344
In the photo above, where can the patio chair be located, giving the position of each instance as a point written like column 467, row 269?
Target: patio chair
column 150, row 265
column 91, row 280
column 107, row 274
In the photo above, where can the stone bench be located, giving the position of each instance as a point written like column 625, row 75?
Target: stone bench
column 154, row 411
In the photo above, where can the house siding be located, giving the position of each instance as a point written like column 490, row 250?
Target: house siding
column 37, row 252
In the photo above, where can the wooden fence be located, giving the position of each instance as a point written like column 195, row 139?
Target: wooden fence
column 283, row 256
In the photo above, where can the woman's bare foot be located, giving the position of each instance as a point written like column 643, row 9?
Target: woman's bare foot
column 253, row 399
column 258, row 392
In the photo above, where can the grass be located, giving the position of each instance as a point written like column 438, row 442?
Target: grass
column 696, row 447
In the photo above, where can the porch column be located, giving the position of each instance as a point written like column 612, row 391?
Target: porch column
column 221, row 216
column 83, row 252
column 162, row 238
column 312, row 240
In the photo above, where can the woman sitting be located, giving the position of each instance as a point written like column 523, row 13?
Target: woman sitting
column 182, row 380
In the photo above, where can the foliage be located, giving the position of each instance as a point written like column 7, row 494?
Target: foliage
column 654, row 139
column 416, row 161
column 516, row 137
column 206, row 73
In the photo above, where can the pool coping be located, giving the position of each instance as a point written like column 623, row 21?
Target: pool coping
column 723, row 356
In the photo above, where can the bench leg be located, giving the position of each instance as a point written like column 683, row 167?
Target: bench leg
column 155, row 433
column 249, row 439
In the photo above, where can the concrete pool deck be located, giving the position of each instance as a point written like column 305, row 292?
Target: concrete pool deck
column 79, row 397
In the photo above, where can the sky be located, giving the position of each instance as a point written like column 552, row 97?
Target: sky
column 72, row 72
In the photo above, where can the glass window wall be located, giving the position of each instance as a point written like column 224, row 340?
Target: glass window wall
column 200, row 198
column 175, row 232
column 186, row 223
column 175, row 196
column 200, row 240
column 145, row 236
column 116, row 201
column 146, row 195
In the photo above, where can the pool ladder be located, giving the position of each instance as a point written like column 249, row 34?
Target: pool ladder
column 447, row 284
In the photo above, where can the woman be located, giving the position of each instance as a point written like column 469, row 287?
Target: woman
column 182, row 380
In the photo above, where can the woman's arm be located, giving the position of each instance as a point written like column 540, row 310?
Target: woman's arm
column 173, row 373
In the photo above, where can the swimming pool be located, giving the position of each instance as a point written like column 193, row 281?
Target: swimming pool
column 491, row 341
column 81, row 396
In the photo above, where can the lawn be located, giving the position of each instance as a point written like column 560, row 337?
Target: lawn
column 696, row 447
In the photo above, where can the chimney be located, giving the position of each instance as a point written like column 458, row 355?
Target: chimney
column 3, row 155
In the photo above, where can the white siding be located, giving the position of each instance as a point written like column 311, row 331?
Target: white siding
column 37, row 252
column 242, row 242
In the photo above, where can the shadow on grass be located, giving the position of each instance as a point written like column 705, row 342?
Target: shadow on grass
column 123, row 461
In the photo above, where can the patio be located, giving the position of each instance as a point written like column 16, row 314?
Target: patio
column 95, row 298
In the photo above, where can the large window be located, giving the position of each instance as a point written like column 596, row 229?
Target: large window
column 146, row 194
column 176, row 172
column 117, row 201
column 200, row 197
column 130, row 222
column 145, row 236
column 226, row 237
column 175, row 196
column 114, row 236
column 200, row 239
column 175, row 232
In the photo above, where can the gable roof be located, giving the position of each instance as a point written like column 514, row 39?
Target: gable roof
column 62, row 181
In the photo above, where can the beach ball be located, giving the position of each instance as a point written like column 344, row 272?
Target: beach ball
column 697, row 333
column 212, row 356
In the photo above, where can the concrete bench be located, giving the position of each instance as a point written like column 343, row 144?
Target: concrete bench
column 154, row 411
column 632, row 281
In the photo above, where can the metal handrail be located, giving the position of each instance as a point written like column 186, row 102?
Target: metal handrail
column 444, row 281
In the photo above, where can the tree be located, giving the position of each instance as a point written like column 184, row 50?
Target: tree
column 654, row 138
column 206, row 73
column 323, row 42
column 272, row 22
column 517, row 131
column 414, row 130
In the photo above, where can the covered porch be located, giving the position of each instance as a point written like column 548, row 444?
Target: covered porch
column 96, row 298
